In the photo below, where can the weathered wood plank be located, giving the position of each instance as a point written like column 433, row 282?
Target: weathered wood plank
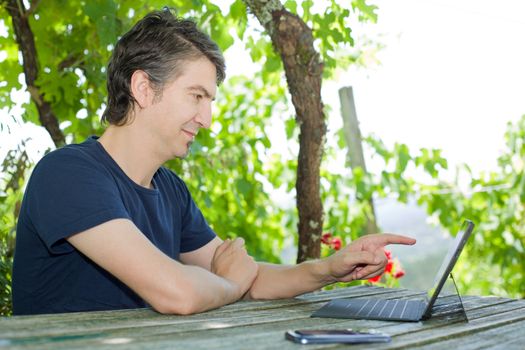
column 262, row 336
column 509, row 336
column 196, row 322
column 256, row 325
column 487, row 319
column 78, row 323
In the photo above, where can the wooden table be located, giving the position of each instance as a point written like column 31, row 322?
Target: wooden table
column 497, row 323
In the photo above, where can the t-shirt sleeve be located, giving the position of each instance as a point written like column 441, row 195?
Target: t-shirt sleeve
column 68, row 194
column 196, row 232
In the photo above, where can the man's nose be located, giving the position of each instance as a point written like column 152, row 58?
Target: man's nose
column 204, row 116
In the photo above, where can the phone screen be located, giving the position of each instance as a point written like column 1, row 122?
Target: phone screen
column 329, row 332
column 336, row 336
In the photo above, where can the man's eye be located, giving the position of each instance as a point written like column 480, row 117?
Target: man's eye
column 198, row 97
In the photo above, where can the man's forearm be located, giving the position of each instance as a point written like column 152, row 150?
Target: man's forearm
column 199, row 290
column 280, row 281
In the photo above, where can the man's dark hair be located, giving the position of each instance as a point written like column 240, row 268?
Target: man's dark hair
column 158, row 45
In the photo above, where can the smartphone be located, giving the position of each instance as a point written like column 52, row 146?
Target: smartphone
column 319, row 336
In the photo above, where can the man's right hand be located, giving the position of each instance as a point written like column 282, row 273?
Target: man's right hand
column 232, row 262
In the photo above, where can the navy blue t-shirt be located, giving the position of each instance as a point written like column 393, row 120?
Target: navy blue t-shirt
column 78, row 187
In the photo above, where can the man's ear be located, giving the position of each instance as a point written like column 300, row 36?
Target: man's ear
column 141, row 89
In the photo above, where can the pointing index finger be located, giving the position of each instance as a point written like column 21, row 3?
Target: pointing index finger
column 390, row 238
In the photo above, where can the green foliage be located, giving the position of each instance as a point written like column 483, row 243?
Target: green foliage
column 492, row 262
column 347, row 194
column 332, row 29
column 13, row 170
column 9, row 202
column 495, row 202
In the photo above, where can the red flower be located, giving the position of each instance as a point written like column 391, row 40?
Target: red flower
column 326, row 238
column 389, row 266
column 399, row 273
column 336, row 243
column 374, row 279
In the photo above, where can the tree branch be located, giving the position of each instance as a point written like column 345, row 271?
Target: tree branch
column 32, row 8
column 26, row 44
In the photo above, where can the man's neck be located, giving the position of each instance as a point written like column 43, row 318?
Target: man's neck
column 134, row 155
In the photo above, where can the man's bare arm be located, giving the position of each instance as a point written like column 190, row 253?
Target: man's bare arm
column 168, row 286
column 202, row 257
column 286, row 281
column 362, row 259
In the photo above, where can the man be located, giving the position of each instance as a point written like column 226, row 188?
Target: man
column 104, row 226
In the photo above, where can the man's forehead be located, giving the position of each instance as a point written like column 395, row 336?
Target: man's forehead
column 200, row 74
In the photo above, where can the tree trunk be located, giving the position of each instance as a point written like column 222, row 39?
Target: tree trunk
column 26, row 44
column 293, row 40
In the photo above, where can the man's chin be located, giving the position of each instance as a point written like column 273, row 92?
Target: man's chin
column 188, row 149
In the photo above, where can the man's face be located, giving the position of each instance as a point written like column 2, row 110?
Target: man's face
column 183, row 108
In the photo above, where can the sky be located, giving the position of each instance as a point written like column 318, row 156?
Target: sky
column 451, row 76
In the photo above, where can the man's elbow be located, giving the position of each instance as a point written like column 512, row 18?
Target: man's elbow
column 175, row 308
column 180, row 302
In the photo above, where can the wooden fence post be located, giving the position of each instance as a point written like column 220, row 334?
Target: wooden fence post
column 353, row 140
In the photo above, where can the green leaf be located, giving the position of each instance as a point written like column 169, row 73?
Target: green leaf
column 290, row 127
column 291, row 5
column 103, row 14
column 306, row 5
column 243, row 186
column 272, row 64
column 367, row 12
column 238, row 13
column 403, row 157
